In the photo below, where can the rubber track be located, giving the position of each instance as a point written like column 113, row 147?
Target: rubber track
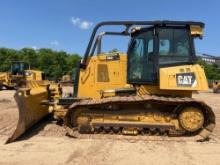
column 201, row 136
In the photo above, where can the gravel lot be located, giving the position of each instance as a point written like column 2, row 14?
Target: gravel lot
column 46, row 143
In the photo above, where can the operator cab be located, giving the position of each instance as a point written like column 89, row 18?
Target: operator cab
column 19, row 67
column 155, row 47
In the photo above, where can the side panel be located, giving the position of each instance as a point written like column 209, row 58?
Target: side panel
column 31, row 75
column 102, row 72
column 4, row 78
column 186, row 77
column 216, row 87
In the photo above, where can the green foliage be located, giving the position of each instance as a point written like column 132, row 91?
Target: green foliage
column 53, row 63
column 115, row 50
column 212, row 71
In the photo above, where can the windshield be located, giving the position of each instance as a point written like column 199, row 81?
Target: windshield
column 19, row 67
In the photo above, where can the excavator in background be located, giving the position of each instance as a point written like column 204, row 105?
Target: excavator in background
column 19, row 74
column 147, row 91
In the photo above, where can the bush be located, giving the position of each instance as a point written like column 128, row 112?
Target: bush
column 212, row 71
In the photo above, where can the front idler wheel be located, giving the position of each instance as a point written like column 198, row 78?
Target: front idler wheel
column 191, row 119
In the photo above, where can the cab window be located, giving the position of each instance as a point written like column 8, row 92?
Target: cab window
column 173, row 45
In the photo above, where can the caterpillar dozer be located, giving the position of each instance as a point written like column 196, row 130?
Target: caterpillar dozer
column 146, row 91
column 19, row 74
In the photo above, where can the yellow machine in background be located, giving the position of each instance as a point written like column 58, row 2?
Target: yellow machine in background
column 216, row 87
column 31, row 75
column 4, row 79
column 66, row 80
column 19, row 75
column 147, row 91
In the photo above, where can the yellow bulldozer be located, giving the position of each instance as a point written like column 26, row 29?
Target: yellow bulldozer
column 18, row 76
column 146, row 91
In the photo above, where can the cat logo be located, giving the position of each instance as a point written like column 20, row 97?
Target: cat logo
column 186, row 79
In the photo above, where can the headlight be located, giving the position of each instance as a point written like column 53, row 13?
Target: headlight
column 28, row 73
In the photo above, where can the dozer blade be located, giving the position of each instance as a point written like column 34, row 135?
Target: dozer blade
column 31, row 109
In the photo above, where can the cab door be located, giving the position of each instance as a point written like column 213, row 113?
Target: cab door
column 141, row 58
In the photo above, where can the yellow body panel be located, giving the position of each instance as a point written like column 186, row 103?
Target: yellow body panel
column 168, row 84
column 4, row 78
column 196, row 30
column 102, row 74
column 169, row 79
column 216, row 86
column 33, row 75
column 7, row 80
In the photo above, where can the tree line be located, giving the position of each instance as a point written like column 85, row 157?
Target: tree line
column 212, row 71
column 54, row 64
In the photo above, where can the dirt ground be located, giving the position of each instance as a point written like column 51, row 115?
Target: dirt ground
column 46, row 143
